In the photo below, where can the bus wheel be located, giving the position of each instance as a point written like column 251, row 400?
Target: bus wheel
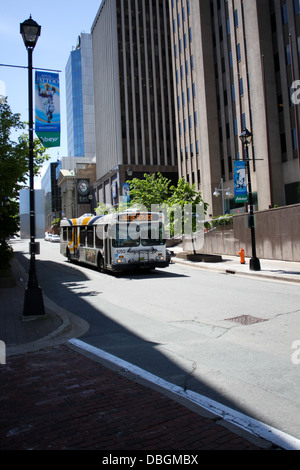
column 100, row 263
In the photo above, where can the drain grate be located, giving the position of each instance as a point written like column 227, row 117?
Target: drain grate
column 246, row 319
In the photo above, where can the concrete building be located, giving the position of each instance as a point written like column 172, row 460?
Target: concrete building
column 234, row 63
column 134, row 98
column 80, row 99
column 73, row 172
column 52, row 193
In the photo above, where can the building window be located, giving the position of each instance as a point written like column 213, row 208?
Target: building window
column 192, row 62
column 228, row 26
column 288, row 54
column 284, row 14
column 241, row 86
column 295, row 142
column 186, row 67
column 297, row 6
column 236, row 18
column 235, row 126
column 238, row 52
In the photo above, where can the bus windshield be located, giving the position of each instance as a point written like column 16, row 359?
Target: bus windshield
column 132, row 235
column 151, row 234
column 124, row 237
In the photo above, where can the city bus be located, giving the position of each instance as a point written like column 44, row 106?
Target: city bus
column 116, row 242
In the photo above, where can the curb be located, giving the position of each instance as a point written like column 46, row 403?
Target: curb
column 234, row 271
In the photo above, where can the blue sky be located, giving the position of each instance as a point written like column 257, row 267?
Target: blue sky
column 61, row 23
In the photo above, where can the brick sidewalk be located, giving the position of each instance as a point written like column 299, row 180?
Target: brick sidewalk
column 59, row 399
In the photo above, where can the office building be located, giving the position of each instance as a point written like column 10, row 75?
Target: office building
column 52, row 193
column 134, row 98
column 80, row 99
column 235, row 62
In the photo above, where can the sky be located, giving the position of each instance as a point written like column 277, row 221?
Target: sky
column 61, row 23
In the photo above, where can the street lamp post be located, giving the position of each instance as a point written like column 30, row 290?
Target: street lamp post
column 246, row 139
column 222, row 190
column 33, row 304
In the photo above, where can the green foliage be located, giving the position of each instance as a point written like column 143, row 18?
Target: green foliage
column 56, row 222
column 14, row 164
column 157, row 190
column 153, row 189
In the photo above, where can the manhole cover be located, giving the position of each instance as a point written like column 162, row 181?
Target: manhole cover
column 245, row 319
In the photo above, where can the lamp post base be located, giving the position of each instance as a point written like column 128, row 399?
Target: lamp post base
column 254, row 264
column 33, row 303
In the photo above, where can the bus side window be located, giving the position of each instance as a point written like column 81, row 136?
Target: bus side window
column 99, row 237
column 90, row 236
column 64, row 234
column 69, row 234
column 82, row 236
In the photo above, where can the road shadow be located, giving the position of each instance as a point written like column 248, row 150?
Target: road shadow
column 58, row 281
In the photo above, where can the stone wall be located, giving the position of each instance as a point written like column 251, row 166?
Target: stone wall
column 277, row 233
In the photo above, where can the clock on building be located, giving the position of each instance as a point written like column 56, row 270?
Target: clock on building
column 83, row 191
column 83, row 187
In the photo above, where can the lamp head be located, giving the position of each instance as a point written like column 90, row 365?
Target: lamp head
column 30, row 32
column 246, row 137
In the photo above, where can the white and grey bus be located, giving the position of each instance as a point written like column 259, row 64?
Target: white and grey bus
column 116, row 242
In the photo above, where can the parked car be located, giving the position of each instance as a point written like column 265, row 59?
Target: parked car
column 55, row 238
column 48, row 236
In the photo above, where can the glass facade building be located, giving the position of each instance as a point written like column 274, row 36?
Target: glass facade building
column 80, row 100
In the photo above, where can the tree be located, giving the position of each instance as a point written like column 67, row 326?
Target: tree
column 153, row 189
column 185, row 197
column 180, row 202
column 14, row 164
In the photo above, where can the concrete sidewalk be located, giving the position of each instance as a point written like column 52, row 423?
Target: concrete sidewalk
column 56, row 396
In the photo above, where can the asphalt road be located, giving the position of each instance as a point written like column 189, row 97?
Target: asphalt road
column 187, row 326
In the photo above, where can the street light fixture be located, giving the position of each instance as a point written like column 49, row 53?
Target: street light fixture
column 221, row 190
column 33, row 304
column 246, row 139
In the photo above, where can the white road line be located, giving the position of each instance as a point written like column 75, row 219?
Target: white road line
column 250, row 425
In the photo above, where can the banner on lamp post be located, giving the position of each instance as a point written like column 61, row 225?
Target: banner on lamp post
column 240, row 183
column 47, row 108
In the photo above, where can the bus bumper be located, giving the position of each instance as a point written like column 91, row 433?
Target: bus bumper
column 119, row 267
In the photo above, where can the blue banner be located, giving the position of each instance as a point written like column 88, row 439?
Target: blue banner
column 47, row 108
column 125, row 192
column 240, row 183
